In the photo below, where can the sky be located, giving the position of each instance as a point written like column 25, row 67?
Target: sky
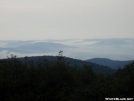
column 66, row 19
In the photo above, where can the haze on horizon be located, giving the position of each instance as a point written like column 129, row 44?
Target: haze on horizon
column 66, row 19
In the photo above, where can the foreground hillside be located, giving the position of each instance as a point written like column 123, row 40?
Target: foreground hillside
column 58, row 81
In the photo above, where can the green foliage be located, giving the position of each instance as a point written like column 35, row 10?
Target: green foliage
column 57, row 81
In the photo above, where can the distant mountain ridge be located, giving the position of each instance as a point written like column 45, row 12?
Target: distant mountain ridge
column 35, row 47
column 110, row 63
column 114, row 48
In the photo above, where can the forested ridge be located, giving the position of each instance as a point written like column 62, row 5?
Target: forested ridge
column 58, row 81
column 70, row 62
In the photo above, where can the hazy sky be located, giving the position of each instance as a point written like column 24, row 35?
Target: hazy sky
column 65, row 19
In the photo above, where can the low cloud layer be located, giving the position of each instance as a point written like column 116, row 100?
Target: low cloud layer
column 116, row 49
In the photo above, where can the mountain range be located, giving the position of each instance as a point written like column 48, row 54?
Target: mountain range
column 115, row 48
column 115, row 64
column 99, row 65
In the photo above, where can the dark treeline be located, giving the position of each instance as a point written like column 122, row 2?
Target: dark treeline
column 57, row 81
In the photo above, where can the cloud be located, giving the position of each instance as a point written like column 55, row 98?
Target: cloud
column 3, row 54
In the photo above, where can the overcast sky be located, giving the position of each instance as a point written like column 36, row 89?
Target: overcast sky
column 65, row 19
